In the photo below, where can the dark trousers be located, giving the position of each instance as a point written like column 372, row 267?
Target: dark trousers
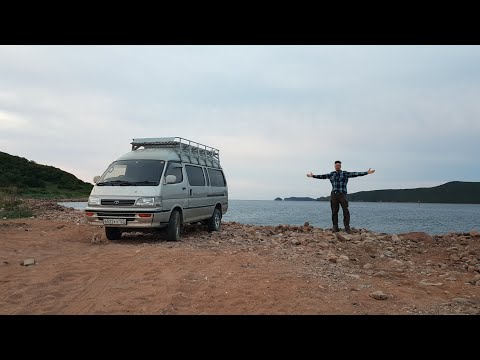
column 337, row 199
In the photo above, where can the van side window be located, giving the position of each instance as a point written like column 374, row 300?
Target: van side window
column 195, row 175
column 216, row 177
column 175, row 169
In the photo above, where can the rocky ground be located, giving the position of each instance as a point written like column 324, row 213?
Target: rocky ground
column 55, row 263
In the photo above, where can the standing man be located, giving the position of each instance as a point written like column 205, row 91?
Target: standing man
column 339, row 180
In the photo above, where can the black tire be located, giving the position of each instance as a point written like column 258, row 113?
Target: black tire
column 174, row 226
column 113, row 233
column 215, row 222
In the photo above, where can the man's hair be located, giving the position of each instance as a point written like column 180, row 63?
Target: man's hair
column 338, row 162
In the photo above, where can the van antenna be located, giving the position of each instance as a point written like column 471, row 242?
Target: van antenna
column 114, row 155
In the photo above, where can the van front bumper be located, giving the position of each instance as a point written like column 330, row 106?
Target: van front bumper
column 133, row 218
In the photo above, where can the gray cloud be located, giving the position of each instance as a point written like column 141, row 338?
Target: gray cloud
column 275, row 112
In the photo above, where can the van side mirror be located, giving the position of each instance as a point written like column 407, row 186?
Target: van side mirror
column 170, row 179
column 95, row 179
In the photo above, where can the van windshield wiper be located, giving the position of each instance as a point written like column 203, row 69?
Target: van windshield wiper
column 146, row 182
column 115, row 182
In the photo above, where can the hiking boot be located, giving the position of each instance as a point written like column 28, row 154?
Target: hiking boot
column 348, row 230
column 335, row 229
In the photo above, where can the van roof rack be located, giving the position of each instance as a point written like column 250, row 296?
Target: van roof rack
column 189, row 151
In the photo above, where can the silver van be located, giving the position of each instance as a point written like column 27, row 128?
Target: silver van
column 161, row 183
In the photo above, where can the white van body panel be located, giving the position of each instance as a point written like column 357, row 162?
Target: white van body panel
column 118, row 207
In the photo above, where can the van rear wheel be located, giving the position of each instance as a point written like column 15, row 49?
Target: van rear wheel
column 113, row 233
column 174, row 226
column 215, row 222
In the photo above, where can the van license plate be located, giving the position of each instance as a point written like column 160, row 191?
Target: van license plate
column 115, row 221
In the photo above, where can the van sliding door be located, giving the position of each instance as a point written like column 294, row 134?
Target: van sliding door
column 198, row 208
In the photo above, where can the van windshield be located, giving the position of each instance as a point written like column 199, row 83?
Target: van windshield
column 132, row 173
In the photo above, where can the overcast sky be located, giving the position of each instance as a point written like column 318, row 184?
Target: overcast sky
column 412, row 113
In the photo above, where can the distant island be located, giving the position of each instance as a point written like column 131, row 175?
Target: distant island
column 278, row 199
column 454, row 192
column 460, row 192
column 293, row 198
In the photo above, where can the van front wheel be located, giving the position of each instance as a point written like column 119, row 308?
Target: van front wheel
column 174, row 225
column 215, row 222
column 113, row 233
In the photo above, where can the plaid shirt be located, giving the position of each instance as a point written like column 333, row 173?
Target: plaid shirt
column 339, row 179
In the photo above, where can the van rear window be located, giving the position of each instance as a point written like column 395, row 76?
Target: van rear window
column 216, row 178
column 195, row 175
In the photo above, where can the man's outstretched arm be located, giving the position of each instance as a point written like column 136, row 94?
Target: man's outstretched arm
column 363, row 173
column 324, row 176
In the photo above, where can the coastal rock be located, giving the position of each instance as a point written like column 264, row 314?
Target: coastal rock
column 395, row 238
column 340, row 237
column 357, row 238
column 29, row 262
column 380, row 274
column 454, row 257
column 379, row 295
column 355, row 276
column 417, row 237
column 397, row 262
column 323, row 244
column 426, row 283
column 472, row 262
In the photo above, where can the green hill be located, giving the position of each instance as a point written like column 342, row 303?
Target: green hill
column 29, row 179
column 460, row 192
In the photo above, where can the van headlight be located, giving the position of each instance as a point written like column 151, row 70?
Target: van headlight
column 93, row 200
column 147, row 201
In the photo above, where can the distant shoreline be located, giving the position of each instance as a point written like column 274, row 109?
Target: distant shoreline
column 453, row 192
column 364, row 201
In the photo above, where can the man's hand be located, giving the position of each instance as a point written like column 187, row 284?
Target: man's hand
column 310, row 174
column 370, row 171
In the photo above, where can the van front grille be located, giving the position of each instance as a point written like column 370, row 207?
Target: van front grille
column 118, row 202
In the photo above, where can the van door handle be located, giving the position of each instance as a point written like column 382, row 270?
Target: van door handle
column 184, row 188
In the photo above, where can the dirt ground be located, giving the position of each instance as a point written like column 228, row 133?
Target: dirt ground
column 242, row 270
